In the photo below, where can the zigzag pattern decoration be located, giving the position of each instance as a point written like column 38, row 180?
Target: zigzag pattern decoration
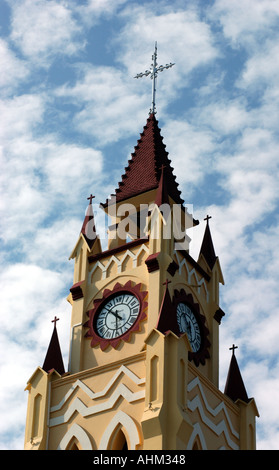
column 192, row 277
column 80, row 407
column 219, row 428
column 83, row 410
column 117, row 261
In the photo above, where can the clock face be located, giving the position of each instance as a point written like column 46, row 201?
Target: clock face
column 117, row 315
column 187, row 323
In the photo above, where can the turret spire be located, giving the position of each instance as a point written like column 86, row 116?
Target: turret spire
column 88, row 228
column 235, row 388
column 53, row 359
column 167, row 315
column 207, row 247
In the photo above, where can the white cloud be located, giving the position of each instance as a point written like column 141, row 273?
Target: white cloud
column 224, row 116
column 110, row 105
column 91, row 11
column 55, row 176
column 14, row 71
column 41, row 29
column 31, row 298
column 19, row 115
column 189, row 148
column 69, row 168
column 262, row 67
column 109, row 100
column 245, row 21
column 40, row 172
column 35, row 288
column 52, row 245
column 182, row 38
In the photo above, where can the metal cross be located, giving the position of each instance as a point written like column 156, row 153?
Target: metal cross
column 166, row 283
column 55, row 320
column 153, row 72
column 90, row 198
column 233, row 348
column 207, row 218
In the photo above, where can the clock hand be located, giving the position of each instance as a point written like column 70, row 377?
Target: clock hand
column 188, row 328
column 115, row 314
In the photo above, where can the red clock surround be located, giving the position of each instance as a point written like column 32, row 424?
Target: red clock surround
column 202, row 354
column 135, row 290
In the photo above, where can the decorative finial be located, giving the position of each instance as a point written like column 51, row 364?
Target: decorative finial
column 55, row 320
column 233, row 348
column 207, row 218
column 90, row 198
column 153, row 72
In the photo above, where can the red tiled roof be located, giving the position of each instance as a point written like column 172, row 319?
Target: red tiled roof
column 144, row 168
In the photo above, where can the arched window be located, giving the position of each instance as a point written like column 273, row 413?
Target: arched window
column 74, row 447
column 36, row 415
column 76, row 438
column 197, row 440
column 121, row 433
column 196, row 445
column 118, row 440
column 73, row 444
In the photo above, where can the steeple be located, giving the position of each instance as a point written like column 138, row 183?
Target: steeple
column 88, row 229
column 207, row 248
column 235, row 388
column 167, row 315
column 143, row 366
column 144, row 169
column 53, row 359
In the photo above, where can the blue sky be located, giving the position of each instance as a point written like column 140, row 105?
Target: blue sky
column 71, row 114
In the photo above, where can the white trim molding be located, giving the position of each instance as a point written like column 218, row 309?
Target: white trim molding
column 128, row 424
column 78, row 406
column 81, row 435
column 204, row 409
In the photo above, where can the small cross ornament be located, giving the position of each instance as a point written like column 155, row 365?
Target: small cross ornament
column 90, row 198
column 55, row 320
column 233, row 348
column 166, row 283
column 207, row 218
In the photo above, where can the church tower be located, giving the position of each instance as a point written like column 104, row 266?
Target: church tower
column 144, row 344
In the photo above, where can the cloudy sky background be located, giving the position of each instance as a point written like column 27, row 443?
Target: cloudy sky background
column 70, row 115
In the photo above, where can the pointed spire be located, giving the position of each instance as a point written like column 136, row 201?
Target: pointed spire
column 207, row 248
column 144, row 168
column 88, row 227
column 53, row 359
column 235, row 388
column 167, row 315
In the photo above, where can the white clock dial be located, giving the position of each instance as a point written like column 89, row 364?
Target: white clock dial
column 117, row 315
column 187, row 323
